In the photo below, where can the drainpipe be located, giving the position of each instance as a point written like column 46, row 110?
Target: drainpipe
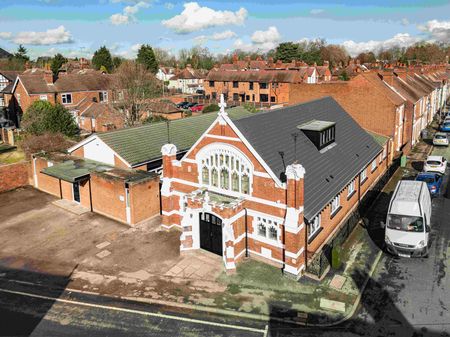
column 246, row 233
column 306, row 242
column 90, row 195
column 283, row 239
column 60, row 189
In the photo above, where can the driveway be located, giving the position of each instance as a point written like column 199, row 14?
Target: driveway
column 41, row 237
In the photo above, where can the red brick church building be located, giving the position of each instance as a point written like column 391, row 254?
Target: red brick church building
column 274, row 186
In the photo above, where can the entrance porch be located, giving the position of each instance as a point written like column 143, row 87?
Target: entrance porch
column 214, row 222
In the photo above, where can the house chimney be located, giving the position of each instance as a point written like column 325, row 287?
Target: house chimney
column 48, row 75
column 235, row 58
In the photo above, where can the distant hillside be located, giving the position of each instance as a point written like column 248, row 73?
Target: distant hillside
column 4, row 54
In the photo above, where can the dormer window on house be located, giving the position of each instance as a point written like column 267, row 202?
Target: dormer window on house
column 320, row 133
column 103, row 96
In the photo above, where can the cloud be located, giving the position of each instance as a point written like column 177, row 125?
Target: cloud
column 5, row 35
column 438, row 30
column 316, row 11
column 50, row 36
column 262, row 41
column 194, row 18
column 270, row 35
column 128, row 14
column 399, row 40
column 169, row 5
column 225, row 35
column 404, row 22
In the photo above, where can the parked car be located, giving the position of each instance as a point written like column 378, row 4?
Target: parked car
column 445, row 126
column 197, row 108
column 190, row 105
column 408, row 222
column 440, row 138
column 435, row 164
column 433, row 181
column 182, row 105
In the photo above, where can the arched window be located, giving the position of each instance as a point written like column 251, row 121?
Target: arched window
column 205, row 176
column 214, row 178
column 225, row 167
column 235, row 182
column 245, row 184
column 224, row 179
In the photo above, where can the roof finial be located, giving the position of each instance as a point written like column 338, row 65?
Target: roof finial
column 222, row 105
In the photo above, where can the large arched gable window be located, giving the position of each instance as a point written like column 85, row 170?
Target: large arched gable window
column 225, row 167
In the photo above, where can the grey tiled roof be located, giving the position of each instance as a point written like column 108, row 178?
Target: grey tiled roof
column 327, row 173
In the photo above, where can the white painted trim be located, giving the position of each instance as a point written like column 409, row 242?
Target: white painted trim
column 239, row 238
column 239, row 255
column 231, row 193
column 35, row 174
column 235, row 139
column 292, row 270
column 299, row 228
column 295, row 256
column 265, row 215
column 273, row 243
column 188, row 160
column 261, row 174
column 174, row 211
column 170, row 226
column 265, row 257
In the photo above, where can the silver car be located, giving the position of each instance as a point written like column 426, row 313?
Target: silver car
column 440, row 139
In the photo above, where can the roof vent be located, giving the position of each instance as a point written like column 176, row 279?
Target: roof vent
column 320, row 133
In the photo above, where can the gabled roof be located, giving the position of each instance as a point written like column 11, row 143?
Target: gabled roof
column 143, row 143
column 4, row 54
column 383, row 88
column 10, row 74
column 74, row 82
column 327, row 173
column 406, row 90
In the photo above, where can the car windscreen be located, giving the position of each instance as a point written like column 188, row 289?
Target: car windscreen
column 433, row 162
column 405, row 223
column 427, row 179
column 440, row 137
column 447, row 125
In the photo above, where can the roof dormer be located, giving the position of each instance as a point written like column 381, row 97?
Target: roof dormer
column 320, row 133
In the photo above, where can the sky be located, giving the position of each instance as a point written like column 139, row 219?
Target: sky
column 79, row 27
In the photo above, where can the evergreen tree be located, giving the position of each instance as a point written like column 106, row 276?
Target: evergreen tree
column 43, row 117
column 102, row 57
column 57, row 62
column 21, row 54
column 287, row 51
column 146, row 56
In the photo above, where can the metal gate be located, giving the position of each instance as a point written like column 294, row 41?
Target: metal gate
column 211, row 233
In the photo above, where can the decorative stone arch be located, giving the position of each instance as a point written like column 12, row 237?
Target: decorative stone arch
column 223, row 167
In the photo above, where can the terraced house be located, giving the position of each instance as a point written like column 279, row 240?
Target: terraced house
column 276, row 186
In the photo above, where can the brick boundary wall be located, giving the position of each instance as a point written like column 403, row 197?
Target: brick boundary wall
column 14, row 175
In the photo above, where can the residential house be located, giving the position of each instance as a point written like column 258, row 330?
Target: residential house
column 187, row 81
column 267, row 87
column 165, row 109
column 165, row 73
column 69, row 89
column 7, row 79
column 98, row 117
column 369, row 99
column 283, row 201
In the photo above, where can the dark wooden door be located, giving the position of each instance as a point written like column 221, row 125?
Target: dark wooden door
column 76, row 191
column 211, row 233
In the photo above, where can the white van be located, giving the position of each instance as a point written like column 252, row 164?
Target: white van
column 408, row 219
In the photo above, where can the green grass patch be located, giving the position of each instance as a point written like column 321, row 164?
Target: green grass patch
column 11, row 157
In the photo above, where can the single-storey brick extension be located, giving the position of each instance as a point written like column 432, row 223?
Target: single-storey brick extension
column 276, row 186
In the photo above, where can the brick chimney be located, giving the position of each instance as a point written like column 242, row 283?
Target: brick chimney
column 294, row 225
column 235, row 58
column 48, row 75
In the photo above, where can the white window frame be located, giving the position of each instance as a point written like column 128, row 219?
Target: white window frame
column 268, row 224
column 373, row 165
column 64, row 98
column 314, row 226
column 335, row 204
column 364, row 175
column 104, row 96
column 351, row 188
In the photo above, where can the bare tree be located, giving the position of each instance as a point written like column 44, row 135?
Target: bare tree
column 133, row 90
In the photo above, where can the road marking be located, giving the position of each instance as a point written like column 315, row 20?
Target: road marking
column 134, row 311
column 266, row 331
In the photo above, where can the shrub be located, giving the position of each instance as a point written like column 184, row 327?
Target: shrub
column 48, row 142
column 250, row 107
column 154, row 119
column 211, row 108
